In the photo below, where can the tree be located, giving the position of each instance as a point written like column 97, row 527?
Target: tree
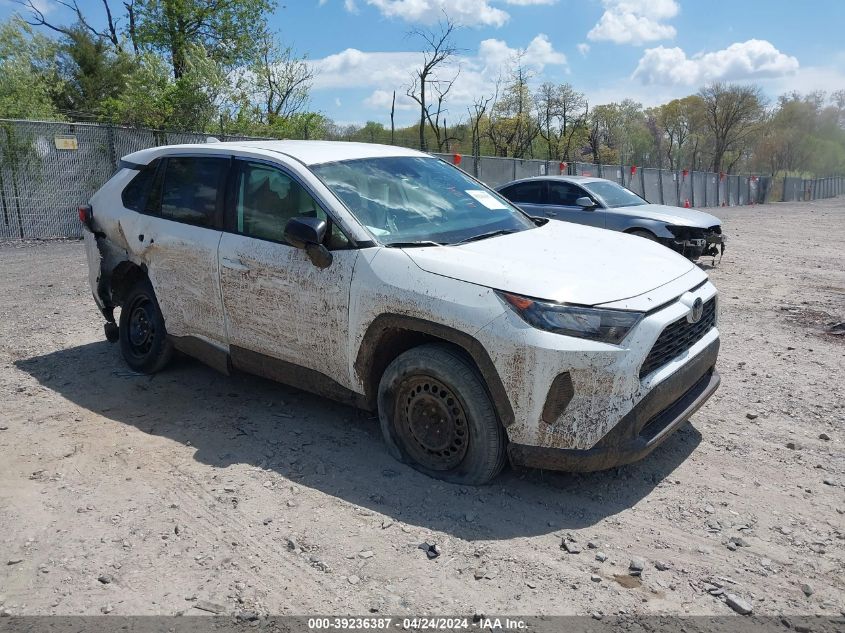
column 512, row 126
column 438, row 50
column 228, row 30
column 83, row 25
column 93, row 72
column 732, row 113
column 561, row 111
column 280, row 81
column 28, row 74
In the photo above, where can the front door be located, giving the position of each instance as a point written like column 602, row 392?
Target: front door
column 561, row 205
column 283, row 313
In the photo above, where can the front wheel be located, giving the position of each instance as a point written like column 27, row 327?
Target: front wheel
column 436, row 416
column 143, row 337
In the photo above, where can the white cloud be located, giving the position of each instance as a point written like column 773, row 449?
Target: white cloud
column 743, row 60
column 384, row 72
column 525, row 3
column 44, row 6
column 466, row 12
column 634, row 21
column 350, row 6
column 583, row 48
column 382, row 99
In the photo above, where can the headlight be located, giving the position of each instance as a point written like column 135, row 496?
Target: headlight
column 596, row 324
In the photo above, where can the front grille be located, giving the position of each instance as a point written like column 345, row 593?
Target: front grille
column 678, row 337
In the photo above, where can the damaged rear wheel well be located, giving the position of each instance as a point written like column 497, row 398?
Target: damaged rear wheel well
column 124, row 276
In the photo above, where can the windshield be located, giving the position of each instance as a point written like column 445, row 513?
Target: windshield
column 613, row 195
column 409, row 199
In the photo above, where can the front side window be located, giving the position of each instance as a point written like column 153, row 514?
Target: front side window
column 410, row 199
column 564, row 193
column 190, row 187
column 267, row 198
column 614, row 195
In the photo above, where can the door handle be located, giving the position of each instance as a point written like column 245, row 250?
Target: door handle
column 234, row 264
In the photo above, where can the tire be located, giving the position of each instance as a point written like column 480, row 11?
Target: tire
column 644, row 234
column 436, row 416
column 143, row 337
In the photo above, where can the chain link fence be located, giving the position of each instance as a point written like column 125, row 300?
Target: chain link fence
column 48, row 169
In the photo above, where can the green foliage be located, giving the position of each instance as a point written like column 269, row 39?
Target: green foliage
column 227, row 29
column 94, row 73
column 28, row 76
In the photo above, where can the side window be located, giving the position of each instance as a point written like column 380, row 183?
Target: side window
column 134, row 195
column 526, row 192
column 267, row 198
column 564, row 193
column 190, row 187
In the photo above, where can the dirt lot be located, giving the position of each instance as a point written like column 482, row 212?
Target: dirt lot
column 135, row 495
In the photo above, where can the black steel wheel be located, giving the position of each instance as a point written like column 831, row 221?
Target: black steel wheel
column 143, row 337
column 436, row 416
column 431, row 421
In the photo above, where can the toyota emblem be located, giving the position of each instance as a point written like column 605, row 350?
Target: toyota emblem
column 696, row 311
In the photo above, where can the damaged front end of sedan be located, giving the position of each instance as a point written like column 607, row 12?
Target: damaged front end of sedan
column 694, row 242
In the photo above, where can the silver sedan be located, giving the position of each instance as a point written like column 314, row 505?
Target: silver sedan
column 608, row 205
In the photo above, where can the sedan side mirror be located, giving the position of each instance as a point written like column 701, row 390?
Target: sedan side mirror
column 308, row 234
column 586, row 202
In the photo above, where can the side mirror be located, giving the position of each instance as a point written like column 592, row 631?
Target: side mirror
column 586, row 202
column 308, row 234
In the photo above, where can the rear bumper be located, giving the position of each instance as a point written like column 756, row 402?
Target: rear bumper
column 644, row 428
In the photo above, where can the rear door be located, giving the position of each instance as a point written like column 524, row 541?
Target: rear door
column 283, row 313
column 561, row 205
column 176, row 233
column 530, row 196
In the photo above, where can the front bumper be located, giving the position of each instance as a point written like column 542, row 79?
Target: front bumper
column 652, row 420
column 694, row 243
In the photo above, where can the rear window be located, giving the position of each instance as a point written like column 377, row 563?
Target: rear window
column 190, row 187
column 526, row 192
column 135, row 193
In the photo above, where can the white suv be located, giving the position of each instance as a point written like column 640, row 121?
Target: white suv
column 391, row 280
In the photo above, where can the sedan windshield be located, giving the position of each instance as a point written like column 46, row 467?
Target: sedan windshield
column 419, row 201
column 613, row 195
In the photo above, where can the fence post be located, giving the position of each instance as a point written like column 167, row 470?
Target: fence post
column 660, row 185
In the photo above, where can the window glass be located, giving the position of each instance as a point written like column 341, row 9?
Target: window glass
column 189, row 191
column 614, row 195
column 267, row 198
column 135, row 193
column 526, row 192
column 404, row 199
column 565, row 193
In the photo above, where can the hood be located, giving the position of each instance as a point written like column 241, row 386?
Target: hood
column 670, row 215
column 560, row 262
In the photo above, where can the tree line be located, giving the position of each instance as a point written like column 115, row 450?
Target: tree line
column 215, row 66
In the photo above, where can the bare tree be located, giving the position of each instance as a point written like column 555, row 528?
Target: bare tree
column 282, row 81
column 476, row 114
column 109, row 33
column 438, row 49
column 392, row 121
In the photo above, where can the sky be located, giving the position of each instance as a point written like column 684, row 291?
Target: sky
column 648, row 50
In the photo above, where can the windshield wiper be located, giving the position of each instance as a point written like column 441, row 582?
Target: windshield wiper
column 484, row 236
column 416, row 243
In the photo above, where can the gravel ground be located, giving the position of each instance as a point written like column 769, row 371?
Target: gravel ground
column 193, row 492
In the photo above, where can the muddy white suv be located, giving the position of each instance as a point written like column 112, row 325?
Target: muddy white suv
column 391, row 280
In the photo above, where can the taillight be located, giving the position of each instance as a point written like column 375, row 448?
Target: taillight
column 85, row 214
